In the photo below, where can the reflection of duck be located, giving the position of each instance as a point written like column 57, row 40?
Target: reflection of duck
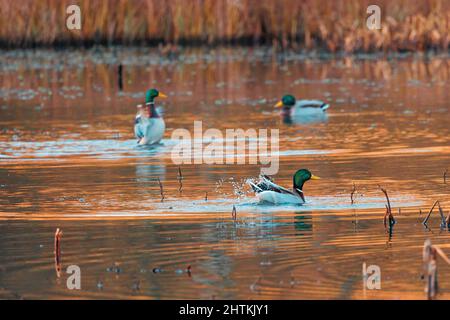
column 302, row 222
column 149, row 126
column 301, row 108
column 268, row 191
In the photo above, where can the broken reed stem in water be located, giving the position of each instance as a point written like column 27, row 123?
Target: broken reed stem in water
column 447, row 220
column 424, row 222
column 161, row 190
column 445, row 176
column 353, row 193
column 388, row 210
column 234, row 213
column 119, row 74
column 206, row 196
column 430, row 254
column 180, row 178
column 441, row 213
column 58, row 236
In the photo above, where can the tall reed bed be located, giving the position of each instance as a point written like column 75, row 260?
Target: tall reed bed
column 338, row 25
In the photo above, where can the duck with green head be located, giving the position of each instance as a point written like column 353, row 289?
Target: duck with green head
column 269, row 192
column 291, row 107
column 149, row 126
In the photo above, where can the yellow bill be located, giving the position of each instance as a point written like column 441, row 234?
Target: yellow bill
column 279, row 104
column 162, row 95
column 313, row 177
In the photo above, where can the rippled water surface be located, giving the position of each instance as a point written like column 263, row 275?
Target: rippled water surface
column 69, row 160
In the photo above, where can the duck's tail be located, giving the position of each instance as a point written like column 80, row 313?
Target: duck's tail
column 254, row 186
column 325, row 106
column 264, row 184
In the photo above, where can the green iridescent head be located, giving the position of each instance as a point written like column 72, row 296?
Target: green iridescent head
column 301, row 176
column 287, row 101
column 152, row 94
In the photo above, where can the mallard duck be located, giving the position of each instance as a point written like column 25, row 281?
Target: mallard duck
column 267, row 191
column 149, row 126
column 294, row 108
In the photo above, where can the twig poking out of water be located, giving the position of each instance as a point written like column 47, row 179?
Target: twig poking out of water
column 188, row 270
column 388, row 213
column 353, row 194
column 447, row 221
column 161, row 190
column 180, row 178
column 206, row 196
column 424, row 222
column 445, row 176
column 119, row 74
column 443, row 220
column 420, row 214
column 430, row 254
column 58, row 236
column 234, row 213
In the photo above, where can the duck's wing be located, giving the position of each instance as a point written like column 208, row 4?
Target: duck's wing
column 303, row 104
column 266, row 184
column 137, row 128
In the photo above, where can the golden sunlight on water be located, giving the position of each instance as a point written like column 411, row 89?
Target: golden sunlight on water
column 69, row 160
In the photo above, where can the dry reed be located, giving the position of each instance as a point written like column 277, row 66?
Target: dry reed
column 352, row 194
column 180, row 180
column 430, row 254
column 58, row 236
column 161, row 190
column 338, row 25
column 388, row 216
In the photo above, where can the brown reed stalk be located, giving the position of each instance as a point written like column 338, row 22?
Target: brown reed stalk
column 447, row 220
column 180, row 178
column 120, row 77
column 352, row 194
column 161, row 190
column 424, row 222
column 234, row 213
column 388, row 213
column 430, row 253
column 441, row 214
column 58, row 236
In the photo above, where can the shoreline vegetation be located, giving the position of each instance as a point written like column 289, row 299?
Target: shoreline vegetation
column 304, row 25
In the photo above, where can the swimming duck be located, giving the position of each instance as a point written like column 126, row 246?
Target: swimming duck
column 293, row 108
column 267, row 191
column 149, row 126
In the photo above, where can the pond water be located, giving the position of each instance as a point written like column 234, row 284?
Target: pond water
column 69, row 160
